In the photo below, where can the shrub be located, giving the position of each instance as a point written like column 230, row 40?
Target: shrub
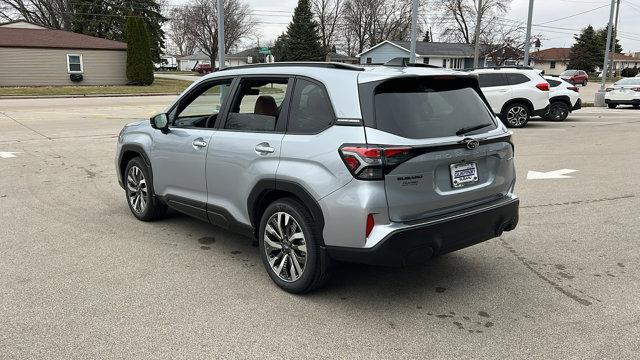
column 139, row 65
column 629, row 72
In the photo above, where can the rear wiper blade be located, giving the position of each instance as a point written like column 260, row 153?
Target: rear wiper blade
column 465, row 130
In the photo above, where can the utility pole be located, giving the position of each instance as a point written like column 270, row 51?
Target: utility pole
column 220, row 35
column 615, row 35
column 606, row 52
column 414, row 25
column 476, row 41
column 527, row 39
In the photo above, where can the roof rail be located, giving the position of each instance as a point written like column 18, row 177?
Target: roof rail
column 402, row 62
column 318, row 64
column 521, row 67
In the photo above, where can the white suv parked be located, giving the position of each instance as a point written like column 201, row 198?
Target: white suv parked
column 563, row 97
column 514, row 93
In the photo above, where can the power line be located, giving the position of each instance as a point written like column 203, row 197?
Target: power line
column 570, row 16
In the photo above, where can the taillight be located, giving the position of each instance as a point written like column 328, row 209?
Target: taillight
column 608, row 89
column 574, row 88
column 370, row 223
column 636, row 89
column 371, row 162
column 543, row 86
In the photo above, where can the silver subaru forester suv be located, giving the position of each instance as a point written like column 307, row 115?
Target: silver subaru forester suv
column 326, row 162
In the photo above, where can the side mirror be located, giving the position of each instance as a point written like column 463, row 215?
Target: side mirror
column 160, row 122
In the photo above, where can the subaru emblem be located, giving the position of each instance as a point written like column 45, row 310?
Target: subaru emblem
column 472, row 144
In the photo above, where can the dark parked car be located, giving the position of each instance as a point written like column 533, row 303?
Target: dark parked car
column 575, row 77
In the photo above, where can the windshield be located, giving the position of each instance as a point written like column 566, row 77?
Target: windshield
column 629, row 81
column 569, row 73
column 426, row 108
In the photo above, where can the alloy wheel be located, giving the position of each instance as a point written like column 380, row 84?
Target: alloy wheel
column 517, row 115
column 137, row 190
column 285, row 246
column 558, row 112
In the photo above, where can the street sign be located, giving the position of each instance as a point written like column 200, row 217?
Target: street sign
column 265, row 50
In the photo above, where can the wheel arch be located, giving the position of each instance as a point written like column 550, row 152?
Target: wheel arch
column 266, row 192
column 563, row 98
column 128, row 152
column 524, row 101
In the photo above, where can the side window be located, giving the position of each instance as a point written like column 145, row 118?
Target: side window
column 310, row 110
column 553, row 83
column 368, row 60
column 74, row 64
column 257, row 105
column 201, row 107
column 490, row 80
column 515, row 79
column 552, row 65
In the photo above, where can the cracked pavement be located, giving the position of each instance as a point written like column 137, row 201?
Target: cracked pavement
column 81, row 278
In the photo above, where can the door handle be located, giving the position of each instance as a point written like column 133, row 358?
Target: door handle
column 264, row 148
column 199, row 143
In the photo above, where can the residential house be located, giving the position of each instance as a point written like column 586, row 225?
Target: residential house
column 340, row 58
column 622, row 61
column 189, row 62
column 33, row 55
column 553, row 61
column 447, row 55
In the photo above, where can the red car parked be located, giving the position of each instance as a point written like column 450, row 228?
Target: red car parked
column 204, row 68
column 575, row 77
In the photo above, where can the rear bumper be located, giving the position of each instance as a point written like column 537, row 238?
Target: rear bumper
column 541, row 112
column 577, row 106
column 623, row 102
column 417, row 243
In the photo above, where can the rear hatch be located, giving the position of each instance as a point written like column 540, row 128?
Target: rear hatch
column 447, row 152
column 625, row 89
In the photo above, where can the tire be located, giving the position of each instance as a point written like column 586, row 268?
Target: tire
column 612, row 106
column 516, row 115
column 142, row 201
column 558, row 111
column 636, row 106
column 295, row 276
column 584, row 83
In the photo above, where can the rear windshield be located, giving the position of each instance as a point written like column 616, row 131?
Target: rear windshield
column 629, row 81
column 428, row 108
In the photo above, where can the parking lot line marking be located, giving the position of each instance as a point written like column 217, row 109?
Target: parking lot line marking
column 556, row 174
column 8, row 154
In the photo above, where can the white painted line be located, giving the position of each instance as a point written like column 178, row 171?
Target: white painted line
column 556, row 174
column 7, row 154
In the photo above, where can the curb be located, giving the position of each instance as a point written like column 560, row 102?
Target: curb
column 8, row 97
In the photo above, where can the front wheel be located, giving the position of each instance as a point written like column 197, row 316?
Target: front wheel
column 516, row 115
column 584, row 83
column 290, row 247
column 612, row 106
column 142, row 201
column 558, row 111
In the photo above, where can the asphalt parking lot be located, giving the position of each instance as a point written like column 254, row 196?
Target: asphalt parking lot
column 81, row 278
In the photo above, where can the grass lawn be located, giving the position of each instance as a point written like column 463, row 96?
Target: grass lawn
column 159, row 86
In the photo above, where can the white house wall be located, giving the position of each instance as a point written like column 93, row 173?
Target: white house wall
column 383, row 53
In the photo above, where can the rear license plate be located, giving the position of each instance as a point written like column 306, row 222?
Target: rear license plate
column 463, row 174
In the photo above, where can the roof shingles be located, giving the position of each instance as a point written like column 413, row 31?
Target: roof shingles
column 54, row 39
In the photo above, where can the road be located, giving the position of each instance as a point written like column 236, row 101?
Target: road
column 81, row 278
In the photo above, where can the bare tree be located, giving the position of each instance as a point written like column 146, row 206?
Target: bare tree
column 327, row 13
column 202, row 24
column 178, row 31
column 55, row 14
column 458, row 19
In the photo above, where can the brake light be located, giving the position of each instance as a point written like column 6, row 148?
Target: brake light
column 371, row 162
column 543, row 86
column 370, row 223
column 574, row 88
column 608, row 89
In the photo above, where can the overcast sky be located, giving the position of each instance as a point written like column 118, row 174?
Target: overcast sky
column 273, row 16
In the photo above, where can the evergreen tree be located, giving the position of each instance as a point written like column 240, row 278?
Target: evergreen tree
column 585, row 51
column 602, row 38
column 427, row 36
column 301, row 42
column 139, row 65
column 108, row 18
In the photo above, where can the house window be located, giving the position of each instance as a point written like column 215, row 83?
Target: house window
column 552, row 65
column 444, row 63
column 425, row 60
column 368, row 60
column 74, row 63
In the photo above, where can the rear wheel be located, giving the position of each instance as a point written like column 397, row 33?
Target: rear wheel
column 636, row 106
column 584, row 83
column 142, row 201
column 516, row 115
column 558, row 111
column 290, row 247
column 612, row 106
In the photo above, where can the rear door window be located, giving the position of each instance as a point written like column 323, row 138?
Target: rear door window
column 423, row 108
column 490, row 80
column 515, row 79
column 257, row 105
